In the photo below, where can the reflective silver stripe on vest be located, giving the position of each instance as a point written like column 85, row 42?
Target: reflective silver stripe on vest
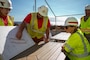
column 68, row 46
column 85, row 49
column 33, row 25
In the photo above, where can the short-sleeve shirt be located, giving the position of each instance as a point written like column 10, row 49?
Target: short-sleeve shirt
column 40, row 21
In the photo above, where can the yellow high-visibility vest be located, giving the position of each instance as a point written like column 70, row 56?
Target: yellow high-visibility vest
column 85, row 24
column 10, row 21
column 77, row 47
column 33, row 29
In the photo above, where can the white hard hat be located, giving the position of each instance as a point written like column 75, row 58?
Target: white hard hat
column 71, row 21
column 87, row 7
column 43, row 10
column 6, row 4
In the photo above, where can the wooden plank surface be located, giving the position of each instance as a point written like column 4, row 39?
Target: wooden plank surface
column 61, row 36
column 50, row 51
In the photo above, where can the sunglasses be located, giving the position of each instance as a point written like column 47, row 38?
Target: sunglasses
column 68, row 26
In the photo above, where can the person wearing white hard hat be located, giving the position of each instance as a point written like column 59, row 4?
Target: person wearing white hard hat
column 77, row 46
column 85, row 22
column 5, row 19
column 37, row 24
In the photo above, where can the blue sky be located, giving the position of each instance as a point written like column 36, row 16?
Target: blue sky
column 60, row 7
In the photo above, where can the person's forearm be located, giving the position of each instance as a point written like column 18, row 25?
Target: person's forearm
column 47, row 33
column 20, row 30
column 22, row 26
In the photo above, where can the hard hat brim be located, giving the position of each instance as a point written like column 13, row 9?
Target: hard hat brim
column 42, row 14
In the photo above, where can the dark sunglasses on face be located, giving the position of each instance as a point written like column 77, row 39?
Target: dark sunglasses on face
column 68, row 26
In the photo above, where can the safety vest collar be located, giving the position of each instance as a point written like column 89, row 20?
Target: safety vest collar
column 44, row 25
column 10, row 23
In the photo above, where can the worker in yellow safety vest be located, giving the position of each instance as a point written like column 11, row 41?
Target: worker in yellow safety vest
column 77, row 46
column 5, row 19
column 85, row 23
column 37, row 25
